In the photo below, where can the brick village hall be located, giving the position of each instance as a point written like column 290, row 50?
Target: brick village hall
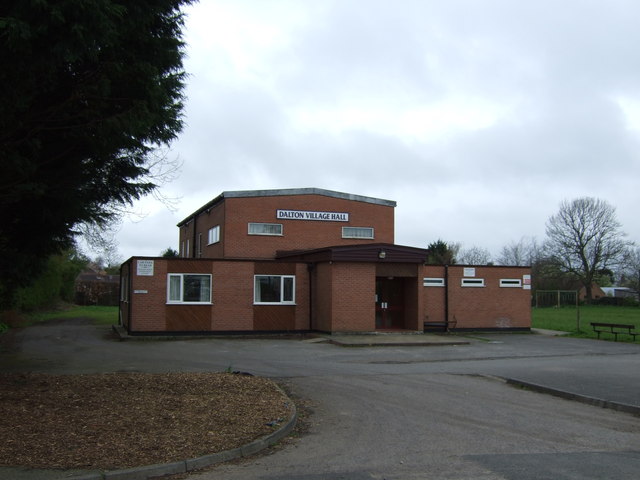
column 308, row 259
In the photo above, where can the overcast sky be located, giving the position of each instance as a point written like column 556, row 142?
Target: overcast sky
column 477, row 117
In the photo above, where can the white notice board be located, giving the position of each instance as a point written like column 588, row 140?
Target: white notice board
column 145, row 268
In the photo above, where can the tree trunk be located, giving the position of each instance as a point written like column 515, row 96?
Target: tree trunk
column 588, row 294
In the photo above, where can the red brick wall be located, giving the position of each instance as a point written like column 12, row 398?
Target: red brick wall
column 302, row 317
column 186, row 234
column 344, row 296
column 232, row 296
column 148, row 310
column 413, row 315
column 485, row 307
column 322, row 297
column 232, row 307
column 433, row 297
column 490, row 306
column 353, row 305
column 299, row 234
column 207, row 220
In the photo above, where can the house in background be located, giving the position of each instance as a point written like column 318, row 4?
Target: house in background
column 596, row 292
column 94, row 286
column 620, row 292
column 309, row 259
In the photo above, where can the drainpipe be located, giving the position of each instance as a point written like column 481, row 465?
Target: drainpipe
column 446, row 296
column 310, row 270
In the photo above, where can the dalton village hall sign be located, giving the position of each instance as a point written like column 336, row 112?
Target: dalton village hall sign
column 308, row 215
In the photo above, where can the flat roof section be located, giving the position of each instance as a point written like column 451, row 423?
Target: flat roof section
column 308, row 191
column 288, row 192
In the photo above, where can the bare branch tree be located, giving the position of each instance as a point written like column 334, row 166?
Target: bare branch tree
column 584, row 237
column 630, row 270
column 524, row 252
column 100, row 238
column 474, row 256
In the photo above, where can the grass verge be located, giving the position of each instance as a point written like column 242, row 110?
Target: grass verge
column 99, row 315
column 565, row 319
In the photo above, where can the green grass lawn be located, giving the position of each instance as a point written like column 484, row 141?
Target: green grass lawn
column 564, row 319
column 99, row 315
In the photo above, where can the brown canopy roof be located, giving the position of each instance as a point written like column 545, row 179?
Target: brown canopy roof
column 373, row 252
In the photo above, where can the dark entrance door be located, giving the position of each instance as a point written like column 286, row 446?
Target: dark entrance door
column 389, row 303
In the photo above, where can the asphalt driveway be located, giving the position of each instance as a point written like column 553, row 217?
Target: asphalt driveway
column 399, row 412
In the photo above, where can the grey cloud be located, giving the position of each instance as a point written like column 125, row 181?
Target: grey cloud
column 551, row 70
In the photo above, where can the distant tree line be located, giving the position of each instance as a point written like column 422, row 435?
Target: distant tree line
column 584, row 245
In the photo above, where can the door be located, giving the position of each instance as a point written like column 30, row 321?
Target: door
column 389, row 303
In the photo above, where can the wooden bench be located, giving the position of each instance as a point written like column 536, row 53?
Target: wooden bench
column 615, row 329
column 440, row 326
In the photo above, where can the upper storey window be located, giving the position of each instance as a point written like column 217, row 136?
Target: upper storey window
column 214, row 235
column 265, row 229
column 357, row 232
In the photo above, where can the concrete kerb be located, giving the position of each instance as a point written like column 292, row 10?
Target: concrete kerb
column 355, row 339
column 598, row 402
column 184, row 466
column 394, row 340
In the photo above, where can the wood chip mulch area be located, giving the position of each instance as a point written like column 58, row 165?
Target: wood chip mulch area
column 122, row 420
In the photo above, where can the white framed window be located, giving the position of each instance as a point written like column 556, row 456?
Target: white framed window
column 265, row 229
column 432, row 282
column 188, row 288
column 472, row 282
column 214, row 235
column 510, row 283
column 274, row 289
column 357, row 232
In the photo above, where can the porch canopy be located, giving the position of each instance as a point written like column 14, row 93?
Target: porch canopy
column 372, row 252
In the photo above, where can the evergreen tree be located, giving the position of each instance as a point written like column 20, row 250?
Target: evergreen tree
column 89, row 89
column 442, row 253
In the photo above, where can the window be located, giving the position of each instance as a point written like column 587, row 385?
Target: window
column 272, row 289
column 265, row 229
column 124, row 288
column 357, row 232
column 188, row 288
column 473, row 282
column 510, row 282
column 214, row 235
column 433, row 282
column 199, row 245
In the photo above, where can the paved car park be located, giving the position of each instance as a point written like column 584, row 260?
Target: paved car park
column 434, row 411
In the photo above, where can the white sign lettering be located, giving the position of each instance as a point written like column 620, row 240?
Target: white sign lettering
column 145, row 268
column 309, row 215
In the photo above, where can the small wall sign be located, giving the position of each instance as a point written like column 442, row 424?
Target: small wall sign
column 144, row 268
column 469, row 272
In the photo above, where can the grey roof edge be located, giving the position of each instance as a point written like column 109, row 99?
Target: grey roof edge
column 308, row 191
column 286, row 192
